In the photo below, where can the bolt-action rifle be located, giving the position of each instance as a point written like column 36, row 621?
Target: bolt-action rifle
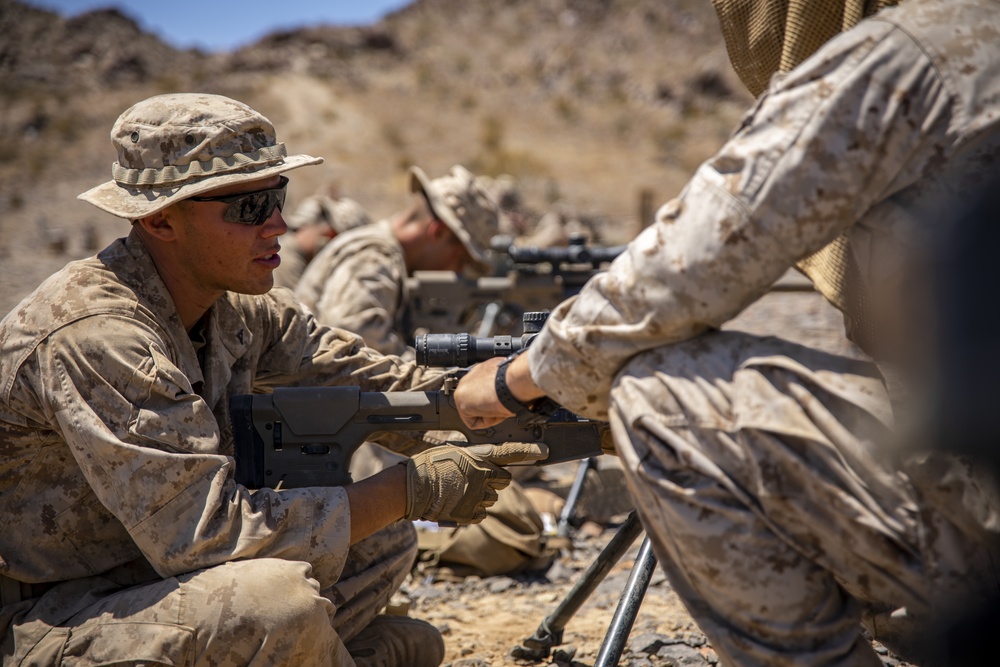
column 524, row 279
column 305, row 436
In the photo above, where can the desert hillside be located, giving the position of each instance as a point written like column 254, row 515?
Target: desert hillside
column 587, row 103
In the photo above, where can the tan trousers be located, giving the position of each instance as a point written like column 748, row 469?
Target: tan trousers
column 255, row 612
column 763, row 474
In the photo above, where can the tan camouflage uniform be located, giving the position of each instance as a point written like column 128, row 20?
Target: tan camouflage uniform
column 293, row 263
column 339, row 215
column 757, row 465
column 116, row 438
column 123, row 537
column 358, row 281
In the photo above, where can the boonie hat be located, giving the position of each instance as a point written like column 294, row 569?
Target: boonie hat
column 340, row 214
column 174, row 146
column 461, row 202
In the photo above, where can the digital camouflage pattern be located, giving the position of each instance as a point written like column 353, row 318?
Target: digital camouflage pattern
column 339, row 215
column 753, row 461
column 802, row 168
column 358, row 281
column 117, row 438
column 178, row 145
column 780, row 525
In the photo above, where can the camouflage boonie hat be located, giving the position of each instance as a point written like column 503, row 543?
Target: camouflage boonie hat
column 171, row 147
column 340, row 214
column 461, row 202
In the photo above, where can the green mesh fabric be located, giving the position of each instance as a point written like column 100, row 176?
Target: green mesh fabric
column 768, row 36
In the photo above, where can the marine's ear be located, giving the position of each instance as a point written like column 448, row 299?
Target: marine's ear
column 158, row 225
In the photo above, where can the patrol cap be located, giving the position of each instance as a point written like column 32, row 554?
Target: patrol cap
column 174, row 146
column 460, row 200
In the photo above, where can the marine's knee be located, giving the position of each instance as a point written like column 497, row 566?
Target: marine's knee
column 689, row 379
column 260, row 611
column 710, row 354
column 272, row 594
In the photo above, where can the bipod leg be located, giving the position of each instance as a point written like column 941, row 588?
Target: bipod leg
column 550, row 632
column 628, row 607
column 562, row 530
column 489, row 321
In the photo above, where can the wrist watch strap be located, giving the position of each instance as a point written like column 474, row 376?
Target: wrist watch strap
column 503, row 391
column 536, row 412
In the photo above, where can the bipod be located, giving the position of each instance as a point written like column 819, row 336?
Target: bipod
column 569, row 509
column 550, row 632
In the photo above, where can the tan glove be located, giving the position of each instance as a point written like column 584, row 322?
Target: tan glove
column 457, row 484
column 608, row 442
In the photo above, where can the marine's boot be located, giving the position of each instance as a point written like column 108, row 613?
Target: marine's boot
column 397, row 641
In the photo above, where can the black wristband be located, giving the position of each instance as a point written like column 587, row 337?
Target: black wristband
column 535, row 412
column 503, row 391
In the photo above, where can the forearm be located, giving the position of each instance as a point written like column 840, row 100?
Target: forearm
column 302, row 352
column 476, row 396
column 823, row 146
column 377, row 501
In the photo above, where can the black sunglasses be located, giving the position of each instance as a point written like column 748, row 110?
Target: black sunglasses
column 251, row 208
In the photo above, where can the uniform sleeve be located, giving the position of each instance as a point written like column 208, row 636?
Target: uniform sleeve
column 298, row 350
column 147, row 445
column 860, row 120
column 363, row 295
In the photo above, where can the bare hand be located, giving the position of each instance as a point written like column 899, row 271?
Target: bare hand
column 476, row 397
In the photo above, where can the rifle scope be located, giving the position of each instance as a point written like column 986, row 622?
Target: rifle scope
column 448, row 350
column 576, row 251
column 571, row 254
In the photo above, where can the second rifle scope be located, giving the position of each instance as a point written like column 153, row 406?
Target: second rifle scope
column 447, row 350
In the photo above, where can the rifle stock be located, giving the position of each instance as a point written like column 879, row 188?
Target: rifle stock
column 305, row 436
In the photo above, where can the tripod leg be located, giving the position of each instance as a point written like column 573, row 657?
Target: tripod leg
column 549, row 633
column 628, row 607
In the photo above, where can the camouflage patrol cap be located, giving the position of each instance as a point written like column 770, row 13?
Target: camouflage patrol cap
column 171, row 147
column 461, row 202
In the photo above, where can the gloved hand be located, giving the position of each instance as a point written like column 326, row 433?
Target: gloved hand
column 457, row 484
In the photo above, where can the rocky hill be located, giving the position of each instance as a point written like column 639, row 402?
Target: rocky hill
column 587, row 103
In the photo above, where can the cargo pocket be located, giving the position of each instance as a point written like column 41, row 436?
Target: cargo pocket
column 128, row 643
column 49, row 650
